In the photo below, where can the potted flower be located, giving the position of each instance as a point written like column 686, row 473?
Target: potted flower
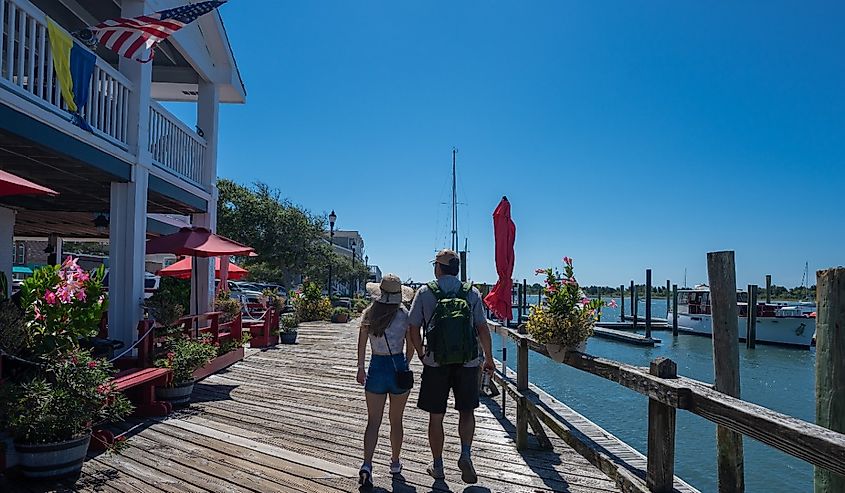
column 229, row 307
column 340, row 315
column 288, row 325
column 50, row 412
column 184, row 356
column 566, row 318
column 309, row 304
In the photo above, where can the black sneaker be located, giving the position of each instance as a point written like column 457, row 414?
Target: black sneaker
column 468, row 474
column 365, row 478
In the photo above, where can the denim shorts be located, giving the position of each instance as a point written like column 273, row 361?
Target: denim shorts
column 381, row 377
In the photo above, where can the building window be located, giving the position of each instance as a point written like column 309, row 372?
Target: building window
column 19, row 253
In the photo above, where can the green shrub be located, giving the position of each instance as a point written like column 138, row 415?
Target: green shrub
column 288, row 322
column 340, row 310
column 310, row 304
column 228, row 306
column 185, row 356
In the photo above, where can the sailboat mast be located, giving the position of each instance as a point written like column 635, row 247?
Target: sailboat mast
column 454, row 201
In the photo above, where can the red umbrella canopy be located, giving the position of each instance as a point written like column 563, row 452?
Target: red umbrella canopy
column 15, row 185
column 499, row 299
column 197, row 242
column 182, row 270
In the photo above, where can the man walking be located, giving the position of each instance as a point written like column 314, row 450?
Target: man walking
column 457, row 345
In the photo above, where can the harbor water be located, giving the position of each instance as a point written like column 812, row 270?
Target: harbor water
column 781, row 379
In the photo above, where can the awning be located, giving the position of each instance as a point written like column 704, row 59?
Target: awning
column 19, row 269
column 15, row 185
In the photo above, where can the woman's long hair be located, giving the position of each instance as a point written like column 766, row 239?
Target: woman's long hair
column 378, row 316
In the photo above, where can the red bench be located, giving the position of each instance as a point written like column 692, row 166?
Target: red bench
column 262, row 330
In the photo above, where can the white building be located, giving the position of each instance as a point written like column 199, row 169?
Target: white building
column 139, row 164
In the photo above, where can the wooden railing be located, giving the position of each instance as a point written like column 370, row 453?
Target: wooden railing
column 26, row 67
column 668, row 392
column 174, row 146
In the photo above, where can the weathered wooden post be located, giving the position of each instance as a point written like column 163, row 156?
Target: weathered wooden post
column 522, row 386
column 599, row 311
column 632, row 298
column 661, row 434
column 635, row 306
column 768, row 288
column 830, row 365
column 622, row 304
column 518, row 304
column 721, row 273
column 648, row 303
column 668, row 296
column 524, row 297
column 463, row 256
column 674, row 310
column 751, row 318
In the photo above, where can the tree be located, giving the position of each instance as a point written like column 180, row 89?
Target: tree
column 288, row 239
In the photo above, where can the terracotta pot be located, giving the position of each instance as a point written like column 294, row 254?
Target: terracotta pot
column 558, row 351
column 288, row 337
column 340, row 319
column 178, row 396
column 52, row 460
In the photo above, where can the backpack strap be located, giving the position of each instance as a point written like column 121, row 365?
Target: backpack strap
column 435, row 290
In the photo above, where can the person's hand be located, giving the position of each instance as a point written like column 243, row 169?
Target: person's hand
column 489, row 365
column 362, row 376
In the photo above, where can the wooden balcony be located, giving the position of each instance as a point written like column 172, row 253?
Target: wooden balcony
column 28, row 84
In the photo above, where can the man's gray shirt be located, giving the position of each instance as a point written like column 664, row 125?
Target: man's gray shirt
column 422, row 310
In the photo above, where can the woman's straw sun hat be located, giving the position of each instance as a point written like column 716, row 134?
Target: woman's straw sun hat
column 390, row 291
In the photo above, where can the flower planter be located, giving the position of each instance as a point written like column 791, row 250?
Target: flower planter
column 219, row 363
column 52, row 460
column 288, row 337
column 178, row 395
column 558, row 351
column 340, row 319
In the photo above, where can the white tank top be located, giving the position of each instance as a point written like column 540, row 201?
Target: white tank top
column 394, row 335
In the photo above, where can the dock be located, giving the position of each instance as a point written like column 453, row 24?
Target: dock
column 292, row 418
column 622, row 336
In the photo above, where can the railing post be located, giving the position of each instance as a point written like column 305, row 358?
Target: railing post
column 721, row 272
column 522, row 386
column 674, row 310
column 830, row 361
column 504, row 370
column 661, row 434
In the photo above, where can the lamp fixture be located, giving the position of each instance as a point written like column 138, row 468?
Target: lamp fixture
column 101, row 222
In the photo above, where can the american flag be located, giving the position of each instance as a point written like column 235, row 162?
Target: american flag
column 137, row 37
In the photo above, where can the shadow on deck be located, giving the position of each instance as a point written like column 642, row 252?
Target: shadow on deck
column 292, row 419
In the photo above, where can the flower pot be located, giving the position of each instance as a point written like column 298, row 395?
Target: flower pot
column 340, row 319
column 288, row 337
column 178, row 395
column 558, row 351
column 52, row 460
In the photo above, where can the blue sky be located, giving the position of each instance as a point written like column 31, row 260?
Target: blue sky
column 626, row 135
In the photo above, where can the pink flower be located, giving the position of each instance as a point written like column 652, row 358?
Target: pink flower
column 65, row 294
column 50, row 297
column 612, row 304
column 585, row 301
column 80, row 295
column 70, row 263
column 92, row 364
column 567, row 260
column 540, row 271
column 38, row 315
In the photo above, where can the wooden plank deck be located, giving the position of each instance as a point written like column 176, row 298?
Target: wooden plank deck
column 292, row 419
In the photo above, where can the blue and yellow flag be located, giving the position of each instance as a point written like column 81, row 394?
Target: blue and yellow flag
column 74, row 66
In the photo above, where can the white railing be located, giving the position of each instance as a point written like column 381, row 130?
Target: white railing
column 26, row 66
column 174, row 146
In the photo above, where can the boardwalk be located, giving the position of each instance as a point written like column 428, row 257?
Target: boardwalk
column 292, row 419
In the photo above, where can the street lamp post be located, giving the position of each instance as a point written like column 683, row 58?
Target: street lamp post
column 332, row 219
column 352, row 244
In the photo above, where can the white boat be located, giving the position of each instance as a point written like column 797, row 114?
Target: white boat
column 777, row 323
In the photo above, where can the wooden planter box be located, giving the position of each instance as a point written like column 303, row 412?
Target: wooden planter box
column 219, row 363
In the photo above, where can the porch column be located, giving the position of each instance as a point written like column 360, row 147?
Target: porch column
column 208, row 103
column 141, row 76
column 56, row 245
column 7, row 244
column 202, row 288
column 127, row 238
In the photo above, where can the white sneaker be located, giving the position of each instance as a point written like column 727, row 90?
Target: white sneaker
column 396, row 467
column 365, row 477
column 435, row 472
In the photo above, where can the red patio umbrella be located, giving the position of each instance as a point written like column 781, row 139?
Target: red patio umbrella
column 499, row 298
column 15, row 185
column 198, row 242
column 182, row 270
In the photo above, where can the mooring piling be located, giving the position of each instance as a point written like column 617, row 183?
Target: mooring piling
column 751, row 319
column 635, row 309
column 768, row 288
column 721, row 273
column 674, row 310
column 648, row 302
column 622, row 304
column 830, row 365
column 668, row 296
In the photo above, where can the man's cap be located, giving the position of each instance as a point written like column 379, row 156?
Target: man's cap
column 446, row 257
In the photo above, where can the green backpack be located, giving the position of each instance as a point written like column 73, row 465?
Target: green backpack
column 452, row 337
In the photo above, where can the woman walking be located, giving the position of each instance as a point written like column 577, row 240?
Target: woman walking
column 385, row 324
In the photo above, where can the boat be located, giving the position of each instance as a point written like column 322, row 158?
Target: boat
column 777, row 323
